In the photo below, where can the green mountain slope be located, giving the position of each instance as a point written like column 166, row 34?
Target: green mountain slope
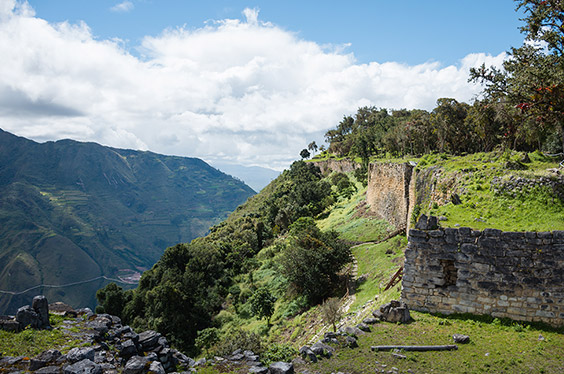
column 71, row 212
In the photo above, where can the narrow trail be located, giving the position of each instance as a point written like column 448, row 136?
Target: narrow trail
column 62, row 285
column 350, row 297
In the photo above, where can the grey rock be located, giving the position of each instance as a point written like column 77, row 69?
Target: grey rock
column 351, row 342
column 461, row 339
column 49, row 370
column 322, row 349
column 394, row 311
column 127, row 348
column 281, row 368
column 307, row 353
column 351, row 330
column 237, row 357
column 149, row 340
column 9, row 324
column 370, row 321
column 258, row 370
column 156, row 368
column 136, row 365
column 41, row 307
column 330, row 335
column 85, row 366
column 78, row 354
column 26, row 316
column 364, row 327
column 44, row 358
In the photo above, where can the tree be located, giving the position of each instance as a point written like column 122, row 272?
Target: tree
column 305, row 153
column 331, row 312
column 532, row 79
column 313, row 259
column 312, row 147
column 112, row 299
column 206, row 339
column 262, row 304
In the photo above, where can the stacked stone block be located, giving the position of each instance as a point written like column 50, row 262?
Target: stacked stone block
column 518, row 275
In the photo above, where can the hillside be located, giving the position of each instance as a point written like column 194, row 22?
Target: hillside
column 71, row 212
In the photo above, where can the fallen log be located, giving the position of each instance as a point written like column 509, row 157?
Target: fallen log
column 416, row 348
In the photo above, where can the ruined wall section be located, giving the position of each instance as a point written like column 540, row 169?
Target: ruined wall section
column 388, row 192
column 519, row 275
column 340, row 166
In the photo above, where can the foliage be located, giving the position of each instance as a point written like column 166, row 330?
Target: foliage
column 239, row 339
column 112, row 299
column 330, row 310
column 531, row 84
column 313, row 259
column 304, row 153
column 207, row 338
column 278, row 352
column 262, row 303
column 344, row 186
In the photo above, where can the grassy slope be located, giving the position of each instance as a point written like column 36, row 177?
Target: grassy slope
column 470, row 176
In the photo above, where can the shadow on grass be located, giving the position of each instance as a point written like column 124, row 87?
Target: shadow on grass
column 506, row 322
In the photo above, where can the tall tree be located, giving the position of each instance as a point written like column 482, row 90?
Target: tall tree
column 532, row 79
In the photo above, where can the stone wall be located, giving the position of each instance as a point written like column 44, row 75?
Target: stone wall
column 388, row 192
column 519, row 275
column 341, row 166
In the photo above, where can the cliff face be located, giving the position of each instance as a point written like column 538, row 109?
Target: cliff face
column 341, row 166
column 391, row 191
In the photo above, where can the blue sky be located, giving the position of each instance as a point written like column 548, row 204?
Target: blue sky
column 240, row 82
column 407, row 31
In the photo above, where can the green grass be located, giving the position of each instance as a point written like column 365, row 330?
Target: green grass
column 377, row 263
column 352, row 219
column 494, row 348
column 534, row 209
column 30, row 342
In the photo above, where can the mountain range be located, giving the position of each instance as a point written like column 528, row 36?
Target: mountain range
column 76, row 214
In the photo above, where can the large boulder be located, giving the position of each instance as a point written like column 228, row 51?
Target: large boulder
column 85, row 366
column 394, row 311
column 78, row 354
column 281, row 368
column 26, row 316
column 41, row 306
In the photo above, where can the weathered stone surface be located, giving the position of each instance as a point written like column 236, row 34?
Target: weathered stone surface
column 351, row 330
column 370, row 321
column 44, row 358
column 395, row 311
column 322, row 349
column 258, row 370
column 307, row 354
column 510, row 273
column 41, row 307
column 78, row 354
column 351, row 342
column 127, row 348
column 49, row 370
column 136, row 365
column 26, row 316
column 281, row 368
column 149, row 339
column 85, row 366
column 9, row 324
column 364, row 327
column 461, row 339
column 156, row 368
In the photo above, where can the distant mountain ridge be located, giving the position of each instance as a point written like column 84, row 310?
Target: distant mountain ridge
column 72, row 211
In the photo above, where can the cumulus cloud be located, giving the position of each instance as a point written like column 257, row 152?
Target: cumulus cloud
column 246, row 92
column 123, row 7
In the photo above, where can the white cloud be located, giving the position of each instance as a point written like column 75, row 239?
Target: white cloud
column 123, row 7
column 247, row 92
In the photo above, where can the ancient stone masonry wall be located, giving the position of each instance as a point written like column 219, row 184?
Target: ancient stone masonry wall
column 519, row 275
column 341, row 166
column 388, row 192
